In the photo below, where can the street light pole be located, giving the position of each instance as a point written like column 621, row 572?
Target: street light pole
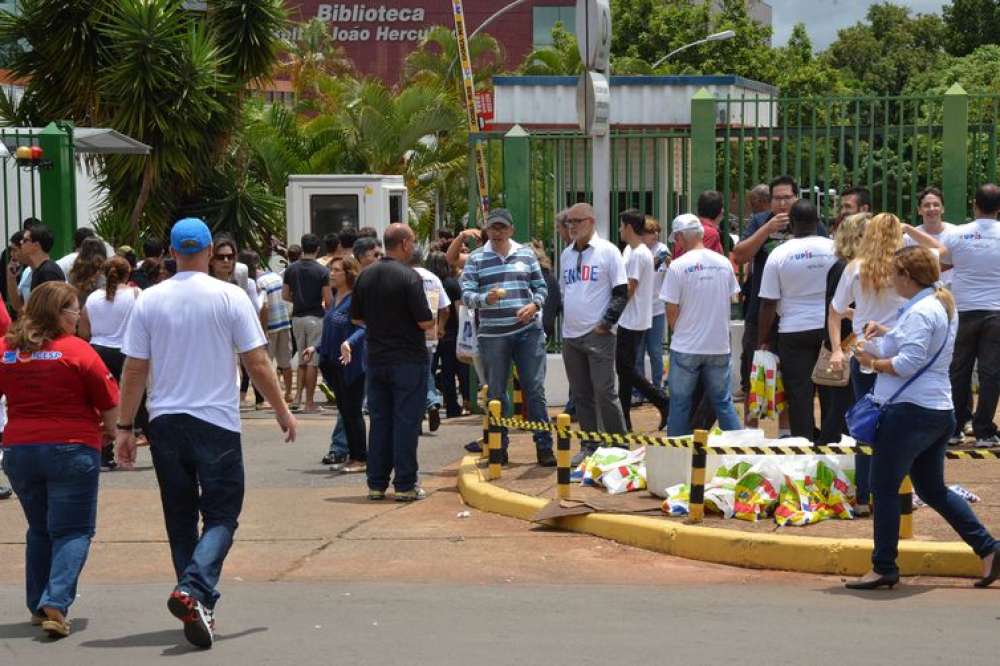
column 717, row 37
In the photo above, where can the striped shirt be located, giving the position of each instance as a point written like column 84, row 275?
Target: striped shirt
column 518, row 274
column 277, row 308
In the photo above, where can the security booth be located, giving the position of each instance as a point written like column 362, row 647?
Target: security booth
column 331, row 203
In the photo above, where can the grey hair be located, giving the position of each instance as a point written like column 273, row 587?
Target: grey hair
column 761, row 192
column 693, row 234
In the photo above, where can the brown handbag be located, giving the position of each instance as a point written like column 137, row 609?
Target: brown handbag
column 823, row 373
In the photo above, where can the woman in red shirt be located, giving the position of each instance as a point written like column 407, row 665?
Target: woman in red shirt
column 61, row 402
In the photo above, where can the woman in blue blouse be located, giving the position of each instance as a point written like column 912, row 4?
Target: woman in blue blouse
column 915, row 427
column 342, row 360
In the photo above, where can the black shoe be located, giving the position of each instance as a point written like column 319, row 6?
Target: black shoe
column 994, row 572
column 434, row 418
column 881, row 581
column 5, row 492
column 662, row 403
column 335, row 459
column 546, row 458
column 474, row 447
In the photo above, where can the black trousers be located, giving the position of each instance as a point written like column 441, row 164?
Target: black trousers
column 452, row 371
column 798, row 353
column 978, row 339
column 114, row 360
column 350, row 398
column 629, row 376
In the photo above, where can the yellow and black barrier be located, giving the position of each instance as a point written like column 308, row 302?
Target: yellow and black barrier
column 493, row 441
column 699, row 458
column 518, row 397
column 906, row 509
column 563, row 457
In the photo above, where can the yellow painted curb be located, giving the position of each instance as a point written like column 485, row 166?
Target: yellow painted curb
column 851, row 557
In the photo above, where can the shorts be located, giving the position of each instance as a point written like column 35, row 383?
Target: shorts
column 308, row 331
column 279, row 347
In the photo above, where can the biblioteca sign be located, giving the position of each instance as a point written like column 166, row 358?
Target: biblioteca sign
column 363, row 23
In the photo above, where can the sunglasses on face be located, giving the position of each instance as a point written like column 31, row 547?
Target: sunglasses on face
column 224, row 257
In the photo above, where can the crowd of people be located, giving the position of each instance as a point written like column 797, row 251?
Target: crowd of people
column 152, row 352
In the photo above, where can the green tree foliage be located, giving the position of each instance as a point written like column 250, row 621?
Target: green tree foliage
column 309, row 57
column 881, row 54
column 560, row 58
column 971, row 24
column 977, row 72
column 435, row 60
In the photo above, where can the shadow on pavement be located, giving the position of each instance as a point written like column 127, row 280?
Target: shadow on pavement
column 901, row 591
column 26, row 630
column 167, row 638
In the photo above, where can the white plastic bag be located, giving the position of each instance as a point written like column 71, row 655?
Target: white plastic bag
column 467, row 346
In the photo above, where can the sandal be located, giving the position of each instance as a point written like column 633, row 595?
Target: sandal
column 355, row 467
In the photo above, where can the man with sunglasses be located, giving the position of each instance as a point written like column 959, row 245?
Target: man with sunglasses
column 504, row 282
column 595, row 292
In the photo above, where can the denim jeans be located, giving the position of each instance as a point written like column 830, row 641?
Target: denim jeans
column 199, row 467
column 862, row 384
column 652, row 346
column 396, row 397
column 685, row 370
column 338, row 438
column 57, row 487
column 526, row 349
column 434, row 397
column 913, row 440
column 978, row 340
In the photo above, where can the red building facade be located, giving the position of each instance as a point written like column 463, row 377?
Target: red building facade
column 378, row 34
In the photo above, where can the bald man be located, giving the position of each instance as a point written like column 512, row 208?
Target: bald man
column 389, row 300
column 595, row 291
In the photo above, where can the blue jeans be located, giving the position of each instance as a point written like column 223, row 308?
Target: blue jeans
column 913, row 440
column 57, row 487
column 199, row 467
column 338, row 438
column 652, row 346
column 526, row 349
column 434, row 397
column 685, row 369
column 862, row 384
column 396, row 398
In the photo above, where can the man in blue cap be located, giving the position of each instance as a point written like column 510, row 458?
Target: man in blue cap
column 186, row 332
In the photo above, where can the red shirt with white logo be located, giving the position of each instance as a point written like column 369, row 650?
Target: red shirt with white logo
column 55, row 395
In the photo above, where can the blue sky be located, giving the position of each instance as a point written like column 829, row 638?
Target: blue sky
column 823, row 18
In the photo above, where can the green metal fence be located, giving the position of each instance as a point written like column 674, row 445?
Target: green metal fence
column 20, row 186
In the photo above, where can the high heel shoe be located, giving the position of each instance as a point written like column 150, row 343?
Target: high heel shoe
column 874, row 584
column 988, row 580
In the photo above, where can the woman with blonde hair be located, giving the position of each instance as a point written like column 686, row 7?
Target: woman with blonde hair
column 865, row 294
column 911, row 361
column 52, row 444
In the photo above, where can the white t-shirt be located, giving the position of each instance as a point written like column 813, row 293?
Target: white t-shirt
column 638, row 313
column 437, row 300
column 190, row 328
column 108, row 319
column 795, row 276
column 881, row 306
column 975, row 254
column 660, row 273
column 946, row 276
column 702, row 283
column 586, row 280
column 66, row 263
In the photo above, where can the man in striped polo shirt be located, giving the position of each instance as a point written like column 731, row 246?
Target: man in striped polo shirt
column 504, row 282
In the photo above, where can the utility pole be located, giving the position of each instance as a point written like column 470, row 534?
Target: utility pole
column 593, row 100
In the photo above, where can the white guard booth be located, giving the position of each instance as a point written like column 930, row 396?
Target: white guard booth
column 323, row 204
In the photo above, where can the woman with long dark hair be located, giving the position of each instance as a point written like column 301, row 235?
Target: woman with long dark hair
column 87, row 273
column 910, row 361
column 61, row 405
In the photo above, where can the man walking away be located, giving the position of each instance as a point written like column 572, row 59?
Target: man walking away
column 183, row 332
column 636, row 319
column 389, row 300
column 504, row 282
column 974, row 250
column 595, row 291
column 698, row 290
column 307, row 286
column 277, row 323
column 794, row 286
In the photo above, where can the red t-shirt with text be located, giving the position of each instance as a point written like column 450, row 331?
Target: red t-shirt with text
column 55, row 395
column 710, row 240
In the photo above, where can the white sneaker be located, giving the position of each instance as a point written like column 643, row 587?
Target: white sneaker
column 990, row 442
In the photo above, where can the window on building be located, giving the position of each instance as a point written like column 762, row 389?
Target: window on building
column 544, row 18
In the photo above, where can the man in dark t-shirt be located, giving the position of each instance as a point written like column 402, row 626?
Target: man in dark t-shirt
column 35, row 247
column 389, row 300
column 307, row 286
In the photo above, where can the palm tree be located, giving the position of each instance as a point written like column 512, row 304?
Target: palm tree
column 309, row 57
column 560, row 59
column 435, row 60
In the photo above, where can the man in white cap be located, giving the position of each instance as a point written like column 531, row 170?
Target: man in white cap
column 698, row 291
column 186, row 332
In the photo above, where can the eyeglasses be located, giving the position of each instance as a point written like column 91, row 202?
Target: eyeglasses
column 784, row 199
column 573, row 221
column 224, row 257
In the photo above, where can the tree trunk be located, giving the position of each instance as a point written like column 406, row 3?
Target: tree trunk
column 140, row 202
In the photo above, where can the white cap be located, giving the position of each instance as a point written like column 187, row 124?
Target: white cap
column 683, row 222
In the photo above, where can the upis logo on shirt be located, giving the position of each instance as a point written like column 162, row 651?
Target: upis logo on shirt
column 975, row 235
column 12, row 357
column 802, row 256
column 583, row 274
column 695, row 268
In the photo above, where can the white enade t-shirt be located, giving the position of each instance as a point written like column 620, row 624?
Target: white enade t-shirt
column 108, row 319
column 880, row 306
column 702, row 283
column 946, row 276
column 437, row 300
column 638, row 313
column 975, row 254
column 795, row 276
column 190, row 328
column 586, row 280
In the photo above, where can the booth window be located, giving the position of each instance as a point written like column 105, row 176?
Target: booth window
column 331, row 213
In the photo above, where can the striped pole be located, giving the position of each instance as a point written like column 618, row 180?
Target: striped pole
column 906, row 509
column 562, row 456
column 699, row 456
column 494, row 442
column 518, row 399
column 484, row 449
